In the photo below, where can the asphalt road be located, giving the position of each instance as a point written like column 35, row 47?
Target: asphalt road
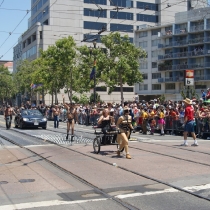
column 160, row 176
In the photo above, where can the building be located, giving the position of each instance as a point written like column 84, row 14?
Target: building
column 53, row 19
column 173, row 48
column 8, row 64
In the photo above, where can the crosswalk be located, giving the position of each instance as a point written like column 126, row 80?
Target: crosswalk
column 61, row 139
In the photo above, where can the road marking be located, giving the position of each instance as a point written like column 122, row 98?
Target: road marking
column 169, row 190
column 46, row 204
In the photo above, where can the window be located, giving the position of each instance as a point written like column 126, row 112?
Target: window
column 145, row 76
column 45, row 11
column 39, row 17
column 147, row 18
column 155, row 42
column 143, row 44
column 121, row 27
column 143, row 87
column 101, row 89
column 155, row 32
column 154, row 54
column 39, row 5
column 34, row 10
column 147, row 6
column 200, row 86
column 94, row 25
column 103, row 2
column 95, row 13
column 143, row 65
column 90, row 37
column 125, row 89
column 154, row 64
column 121, row 15
column 122, row 3
column 131, row 39
column 44, row 1
column 40, row 34
column 143, row 34
column 170, row 86
column 156, row 86
column 156, row 75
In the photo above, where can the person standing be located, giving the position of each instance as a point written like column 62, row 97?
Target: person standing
column 56, row 114
column 8, row 113
column 189, row 122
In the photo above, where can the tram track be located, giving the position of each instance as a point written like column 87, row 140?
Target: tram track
column 124, row 204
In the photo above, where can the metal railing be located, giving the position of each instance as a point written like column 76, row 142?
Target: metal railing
column 208, row 26
column 197, row 28
column 196, row 40
column 180, row 31
column 207, row 64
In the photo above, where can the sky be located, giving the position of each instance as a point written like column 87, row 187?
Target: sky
column 13, row 21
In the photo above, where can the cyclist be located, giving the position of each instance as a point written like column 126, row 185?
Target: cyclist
column 8, row 113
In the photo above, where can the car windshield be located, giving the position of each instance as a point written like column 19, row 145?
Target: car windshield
column 31, row 112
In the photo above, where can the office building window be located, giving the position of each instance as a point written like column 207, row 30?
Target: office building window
column 147, row 6
column 170, row 86
column 143, row 34
column 154, row 64
column 92, row 37
column 94, row 25
column 154, row 54
column 145, row 76
column 39, row 5
column 155, row 42
column 131, row 39
column 147, row 18
column 101, row 89
column 103, row 2
column 143, row 44
column 156, row 86
column 125, row 89
column 121, row 27
column 143, row 87
column 156, row 75
column 95, row 13
column 143, row 65
column 200, row 86
column 44, row 1
column 121, row 15
column 155, row 32
column 34, row 10
column 122, row 3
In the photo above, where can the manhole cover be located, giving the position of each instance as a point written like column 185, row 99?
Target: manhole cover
column 3, row 182
column 26, row 180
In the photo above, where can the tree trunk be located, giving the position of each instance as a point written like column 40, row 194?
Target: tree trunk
column 70, row 87
column 52, row 97
column 121, row 89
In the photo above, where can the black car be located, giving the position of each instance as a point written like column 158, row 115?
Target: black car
column 30, row 118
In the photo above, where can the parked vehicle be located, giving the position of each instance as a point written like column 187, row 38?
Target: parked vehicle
column 30, row 118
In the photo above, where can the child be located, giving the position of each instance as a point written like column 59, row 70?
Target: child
column 152, row 126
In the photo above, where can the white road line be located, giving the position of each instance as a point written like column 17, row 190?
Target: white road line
column 191, row 189
column 131, row 195
column 46, row 204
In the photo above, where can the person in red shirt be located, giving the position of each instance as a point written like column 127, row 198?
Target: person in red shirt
column 189, row 122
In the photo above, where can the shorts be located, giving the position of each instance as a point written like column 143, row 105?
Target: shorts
column 161, row 121
column 189, row 126
column 70, row 120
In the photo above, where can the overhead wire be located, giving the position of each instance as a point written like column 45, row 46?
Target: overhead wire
column 27, row 12
column 1, row 3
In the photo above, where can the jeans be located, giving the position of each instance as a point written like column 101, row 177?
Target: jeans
column 56, row 121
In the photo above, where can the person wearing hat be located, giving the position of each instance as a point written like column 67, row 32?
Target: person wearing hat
column 189, row 122
column 124, row 125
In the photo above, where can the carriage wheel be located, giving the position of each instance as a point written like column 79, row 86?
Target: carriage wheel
column 97, row 145
column 121, row 149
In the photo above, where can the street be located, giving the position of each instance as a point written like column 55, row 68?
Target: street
column 39, row 169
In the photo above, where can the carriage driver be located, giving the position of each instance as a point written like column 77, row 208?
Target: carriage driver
column 71, row 113
column 124, row 124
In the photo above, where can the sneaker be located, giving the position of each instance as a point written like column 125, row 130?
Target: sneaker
column 185, row 144
column 194, row 145
column 128, row 156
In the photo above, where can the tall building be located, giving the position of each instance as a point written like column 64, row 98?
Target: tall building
column 53, row 19
column 173, row 48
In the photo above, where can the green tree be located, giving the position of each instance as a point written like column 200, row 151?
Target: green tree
column 117, row 65
column 7, row 88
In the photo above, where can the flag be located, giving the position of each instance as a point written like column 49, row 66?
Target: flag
column 34, row 86
column 92, row 74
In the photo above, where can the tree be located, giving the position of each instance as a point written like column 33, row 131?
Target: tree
column 7, row 88
column 118, row 64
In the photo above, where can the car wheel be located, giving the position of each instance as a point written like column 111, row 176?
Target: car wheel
column 44, row 127
column 16, row 126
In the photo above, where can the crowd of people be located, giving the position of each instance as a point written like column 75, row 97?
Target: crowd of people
column 147, row 117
